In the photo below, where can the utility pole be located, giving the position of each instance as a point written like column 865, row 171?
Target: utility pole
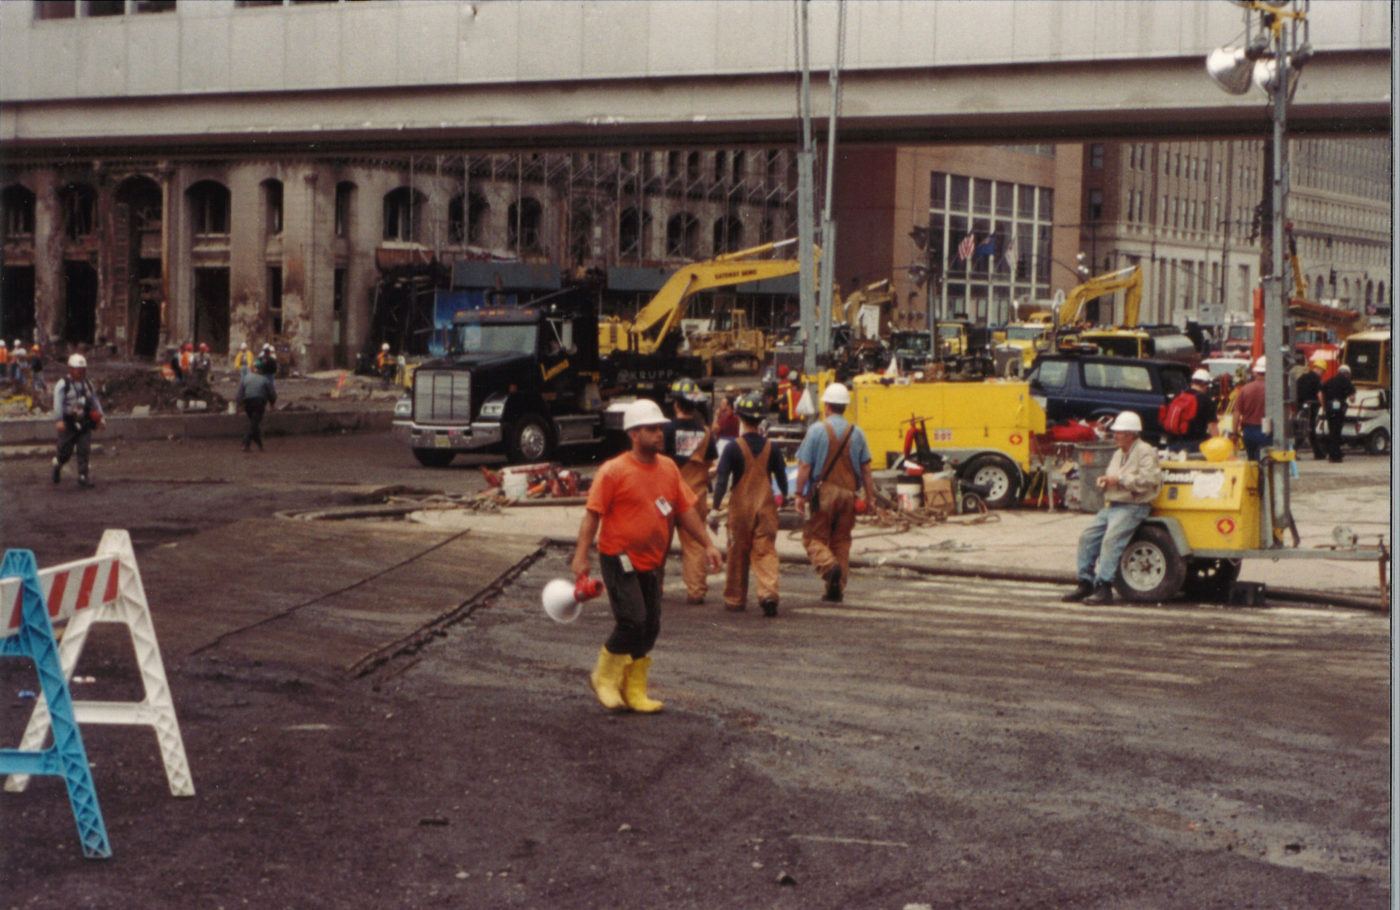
column 806, row 278
column 827, row 288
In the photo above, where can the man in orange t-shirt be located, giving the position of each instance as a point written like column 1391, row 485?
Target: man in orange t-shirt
column 631, row 499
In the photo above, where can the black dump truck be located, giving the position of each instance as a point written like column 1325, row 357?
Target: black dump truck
column 525, row 380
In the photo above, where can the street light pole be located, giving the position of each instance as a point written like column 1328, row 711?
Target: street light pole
column 1270, row 60
column 1275, row 291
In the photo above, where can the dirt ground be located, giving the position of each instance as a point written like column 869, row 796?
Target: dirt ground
column 926, row 744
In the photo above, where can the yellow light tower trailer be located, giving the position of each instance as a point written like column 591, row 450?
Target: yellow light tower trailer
column 1212, row 515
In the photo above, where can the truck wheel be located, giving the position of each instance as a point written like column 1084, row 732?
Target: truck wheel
column 1378, row 442
column 528, row 441
column 434, row 458
column 998, row 475
column 1150, row 570
column 1210, row 578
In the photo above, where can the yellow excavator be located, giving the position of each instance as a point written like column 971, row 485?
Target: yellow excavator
column 1127, row 280
column 656, row 322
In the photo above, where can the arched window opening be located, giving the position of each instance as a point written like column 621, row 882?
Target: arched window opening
column 523, row 231
column 403, row 214
column 682, row 236
column 728, row 235
column 478, row 211
column 209, row 205
column 18, row 204
column 78, row 205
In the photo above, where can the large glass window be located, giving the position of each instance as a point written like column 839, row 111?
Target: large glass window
column 989, row 242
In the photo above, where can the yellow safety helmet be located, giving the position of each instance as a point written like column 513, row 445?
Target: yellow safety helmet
column 1217, row 448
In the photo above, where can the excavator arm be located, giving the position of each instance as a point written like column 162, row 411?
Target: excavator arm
column 1128, row 280
column 663, row 314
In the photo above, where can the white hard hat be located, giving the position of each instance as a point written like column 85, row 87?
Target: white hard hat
column 1201, row 376
column 243, row 346
column 1260, row 365
column 642, row 413
column 1344, row 368
column 836, row 393
column 18, row 343
column 1126, row 422
column 384, row 346
column 77, row 361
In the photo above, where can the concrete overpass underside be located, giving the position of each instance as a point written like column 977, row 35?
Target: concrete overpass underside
column 1339, row 93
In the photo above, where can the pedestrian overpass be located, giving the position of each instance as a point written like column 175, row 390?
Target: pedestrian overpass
column 216, row 76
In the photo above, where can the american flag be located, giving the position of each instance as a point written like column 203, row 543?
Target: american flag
column 966, row 247
column 1010, row 256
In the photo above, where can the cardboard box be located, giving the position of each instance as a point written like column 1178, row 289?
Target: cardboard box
column 938, row 493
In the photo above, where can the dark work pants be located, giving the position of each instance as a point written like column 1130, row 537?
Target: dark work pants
column 1335, row 421
column 71, row 440
column 1316, row 442
column 636, row 606
column 256, row 408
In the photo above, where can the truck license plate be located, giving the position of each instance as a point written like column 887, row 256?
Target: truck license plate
column 441, row 442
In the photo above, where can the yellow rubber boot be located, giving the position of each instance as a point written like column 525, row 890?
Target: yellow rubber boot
column 607, row 679
column 634, row 687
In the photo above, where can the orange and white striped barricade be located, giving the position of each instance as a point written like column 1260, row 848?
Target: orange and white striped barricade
column 104, row 588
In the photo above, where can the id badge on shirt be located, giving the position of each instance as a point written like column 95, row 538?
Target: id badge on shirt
column 663, row 506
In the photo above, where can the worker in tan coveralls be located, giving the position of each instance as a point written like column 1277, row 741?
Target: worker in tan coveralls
column 835, row 457
column 690, row 442
column 751, row 460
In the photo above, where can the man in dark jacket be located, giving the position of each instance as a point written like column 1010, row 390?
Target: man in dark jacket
column 1309, row 401
column 1335, row 393
column 256, row 393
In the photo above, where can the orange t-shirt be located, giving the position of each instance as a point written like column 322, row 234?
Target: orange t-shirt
column 625, row 493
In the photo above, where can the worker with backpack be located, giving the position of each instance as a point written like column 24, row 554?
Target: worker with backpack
column 1190, row 418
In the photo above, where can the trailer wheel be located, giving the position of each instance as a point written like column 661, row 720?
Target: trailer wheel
column 434, row 458
column 528, row 441
column 1210, row 578
column 1150, row 570
column 997, row 475
column 1378, row 442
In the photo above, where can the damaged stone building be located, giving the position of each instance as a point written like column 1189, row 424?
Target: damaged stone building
column 134, row 255
column 136, row 241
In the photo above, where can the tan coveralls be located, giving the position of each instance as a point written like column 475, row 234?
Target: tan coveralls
column 753, row 531
column 695, row 471
column 826, row 535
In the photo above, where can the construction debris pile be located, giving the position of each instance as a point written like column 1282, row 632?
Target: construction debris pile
column 130, row 389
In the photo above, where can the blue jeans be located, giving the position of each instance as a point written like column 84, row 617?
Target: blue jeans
column 1254, row 439
column 1107, row 537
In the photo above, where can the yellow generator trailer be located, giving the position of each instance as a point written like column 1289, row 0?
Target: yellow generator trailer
column 982, row 429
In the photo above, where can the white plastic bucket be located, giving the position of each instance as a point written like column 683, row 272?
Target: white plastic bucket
column 909, row 494
column 515, row 485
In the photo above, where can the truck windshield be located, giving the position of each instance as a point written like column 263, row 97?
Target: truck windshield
column 1365, row 359
column 1025, row 332
column 917, row 342
column 1240, row 332
column 494, row 338
column 1118, row 346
